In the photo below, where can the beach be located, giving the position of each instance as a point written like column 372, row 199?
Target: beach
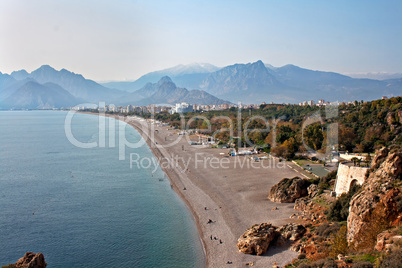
column 226, row 195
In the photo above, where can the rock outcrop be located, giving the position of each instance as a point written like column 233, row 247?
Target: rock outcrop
column 301, row 204
column 388, row 241
column 292, row 231
column 257, row 238
column 312, row 190
column 31, row 260
column 288, row 190
column 378, row 204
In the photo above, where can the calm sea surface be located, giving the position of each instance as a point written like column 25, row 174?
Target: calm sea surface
column 85, row 207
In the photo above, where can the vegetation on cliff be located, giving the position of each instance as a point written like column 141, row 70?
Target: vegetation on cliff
column 361, row 228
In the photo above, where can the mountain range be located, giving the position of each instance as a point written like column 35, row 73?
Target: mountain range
column 187, row 76
column 257, row 82
column 195, row 83
column 166, row 92
column 48, row 88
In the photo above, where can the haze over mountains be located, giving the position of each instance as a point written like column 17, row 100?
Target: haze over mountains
column 165, row 91
column 188, row 76
column 49, row 88
column 257, row 82
column 195, row 83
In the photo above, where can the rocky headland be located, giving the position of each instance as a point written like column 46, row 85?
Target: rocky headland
column 30, row 260
column 361, row 228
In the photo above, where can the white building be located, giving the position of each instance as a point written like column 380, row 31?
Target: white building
column 182, row 108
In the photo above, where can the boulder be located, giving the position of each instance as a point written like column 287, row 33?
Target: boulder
column 257, row 238
column 312, row 190
column 31, row 260
column 301, row 204
column 292, row 231
column 387, row 241
column 288, row 190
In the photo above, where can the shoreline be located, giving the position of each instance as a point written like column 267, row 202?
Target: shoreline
column 233, row 204
column 156, row 152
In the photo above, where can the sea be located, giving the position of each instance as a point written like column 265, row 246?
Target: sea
column 86, row 207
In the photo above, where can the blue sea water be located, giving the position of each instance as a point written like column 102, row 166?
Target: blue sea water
column 85, row 207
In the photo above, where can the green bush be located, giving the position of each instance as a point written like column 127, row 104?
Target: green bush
column 339, row 210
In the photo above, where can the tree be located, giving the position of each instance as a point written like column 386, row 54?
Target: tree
column 313, row 136
column 354, row 159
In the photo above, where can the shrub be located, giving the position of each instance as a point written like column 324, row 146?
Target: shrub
column 362, row 264
column 340, row 243
column 330, row 264
column 326, row 229
column 319, row 263
column 339, row 210
column 301, row 256
column 326, row 181
column 392, row 260
column 303, row 265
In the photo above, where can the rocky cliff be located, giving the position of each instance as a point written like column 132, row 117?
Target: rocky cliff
column 288, row 190
column 378, row 205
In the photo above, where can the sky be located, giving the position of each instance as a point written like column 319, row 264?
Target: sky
column 124, row 39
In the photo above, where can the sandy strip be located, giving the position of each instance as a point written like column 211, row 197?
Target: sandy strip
column 230, row 191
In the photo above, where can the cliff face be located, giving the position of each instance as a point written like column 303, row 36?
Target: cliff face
column 379, row 204
column 30, row 260
column 288, row 190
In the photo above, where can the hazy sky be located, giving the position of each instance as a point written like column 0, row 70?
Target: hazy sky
column 124, row 39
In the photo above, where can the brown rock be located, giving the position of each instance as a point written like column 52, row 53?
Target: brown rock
column 312, row 190
column 292, row 231
column 31, row 260
column 288, row 190
column 390, row 118
column 257, row 239
column 376, row 205
column 400, row 116
column 387, row 241
column 301, row 204
column 281, row 241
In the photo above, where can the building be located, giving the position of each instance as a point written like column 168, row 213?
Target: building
column 347, row 176
column 182, row 108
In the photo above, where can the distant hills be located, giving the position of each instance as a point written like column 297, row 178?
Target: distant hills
column 48, row 88
column 33, row 95
column 257, row 82
column 187, row 76
column 166, row 92
column 194, row 83
column 376, row 76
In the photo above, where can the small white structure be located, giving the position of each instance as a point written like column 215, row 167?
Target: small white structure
column 350, row 156
column 347, row 176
